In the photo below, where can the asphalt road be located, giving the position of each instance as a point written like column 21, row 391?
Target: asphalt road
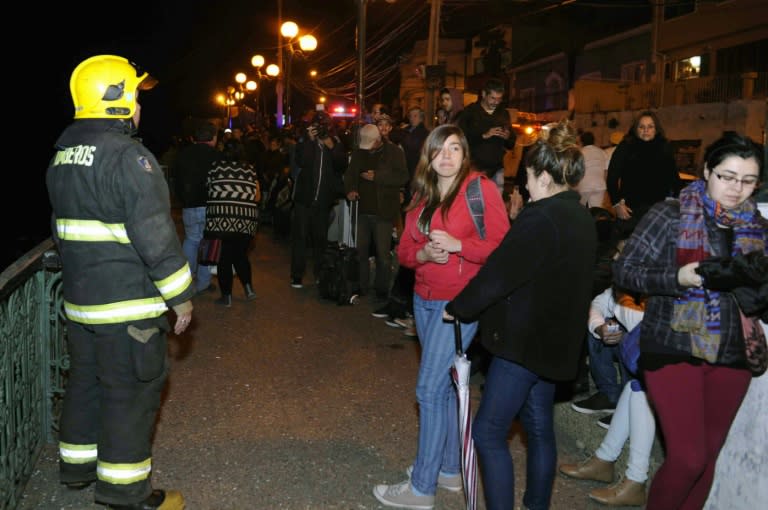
column 287, row 402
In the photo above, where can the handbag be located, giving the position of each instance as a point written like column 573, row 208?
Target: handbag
column 755, row 346
column 208, row 252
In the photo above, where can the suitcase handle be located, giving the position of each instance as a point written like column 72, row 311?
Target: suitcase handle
column 350, row 238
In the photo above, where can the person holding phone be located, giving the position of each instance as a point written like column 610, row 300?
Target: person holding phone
column 488, row 130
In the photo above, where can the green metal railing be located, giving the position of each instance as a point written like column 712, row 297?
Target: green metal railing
column 33, row 365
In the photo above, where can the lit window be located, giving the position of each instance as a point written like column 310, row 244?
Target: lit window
column 689, row 68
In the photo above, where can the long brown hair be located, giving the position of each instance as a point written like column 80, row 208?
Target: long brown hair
column 424, row 185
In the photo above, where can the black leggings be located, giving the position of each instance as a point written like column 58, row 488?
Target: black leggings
column 234, row 252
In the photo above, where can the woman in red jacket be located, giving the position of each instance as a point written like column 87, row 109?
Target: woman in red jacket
column 444, row 247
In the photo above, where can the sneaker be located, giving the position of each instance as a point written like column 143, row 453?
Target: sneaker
column 405, row 322
column 296, row 283
column 597, row 403
column 401, row 496
column 382, row 312
column 605, row 421
column 410, row 332
column 449, row 483
column 392, row 322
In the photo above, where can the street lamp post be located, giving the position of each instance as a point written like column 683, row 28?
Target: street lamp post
column 235, row 95
column 227, row 101
column 307, row 43
column 271, row 71
column 362, row 14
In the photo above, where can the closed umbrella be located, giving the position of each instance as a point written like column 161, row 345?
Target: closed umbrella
column 460, row 374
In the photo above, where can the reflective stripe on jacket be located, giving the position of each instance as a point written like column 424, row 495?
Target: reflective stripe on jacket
column 121, row 255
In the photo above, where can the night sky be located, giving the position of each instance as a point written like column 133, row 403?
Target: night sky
column 194, row 48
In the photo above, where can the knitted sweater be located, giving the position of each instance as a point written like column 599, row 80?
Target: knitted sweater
column 233, row 197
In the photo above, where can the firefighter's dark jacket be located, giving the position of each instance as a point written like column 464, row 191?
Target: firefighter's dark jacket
column 111, row 222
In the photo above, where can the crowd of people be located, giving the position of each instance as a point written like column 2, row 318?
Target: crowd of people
column 688, row 283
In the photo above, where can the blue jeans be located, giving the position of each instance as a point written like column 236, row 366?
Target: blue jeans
column 194, row 225
column 603, row 370
column 439, row 449
column 512, row 390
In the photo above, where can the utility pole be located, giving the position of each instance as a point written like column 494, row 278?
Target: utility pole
column 432, row 60
column 279, row 84
column 360, row 99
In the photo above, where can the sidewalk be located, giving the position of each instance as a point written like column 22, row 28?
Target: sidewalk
column 287, row 402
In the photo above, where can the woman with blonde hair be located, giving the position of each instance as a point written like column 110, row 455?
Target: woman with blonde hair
column 445, row 247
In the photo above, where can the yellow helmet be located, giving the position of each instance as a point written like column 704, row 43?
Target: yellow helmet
column 105, row 86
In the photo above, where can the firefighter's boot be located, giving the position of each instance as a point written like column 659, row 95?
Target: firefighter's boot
column 158, row 500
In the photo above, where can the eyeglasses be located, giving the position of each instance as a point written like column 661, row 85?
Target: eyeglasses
column 749, row 181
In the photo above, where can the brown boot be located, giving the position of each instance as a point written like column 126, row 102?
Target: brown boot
column 625, row 492
column 590, row 469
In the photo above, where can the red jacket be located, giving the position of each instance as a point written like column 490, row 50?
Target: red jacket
column 444, row 281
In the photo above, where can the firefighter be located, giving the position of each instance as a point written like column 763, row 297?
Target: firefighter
column 123, row 267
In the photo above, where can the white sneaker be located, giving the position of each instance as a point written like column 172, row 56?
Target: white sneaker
column 449, row 483
column 401, row 496
column 407, row 322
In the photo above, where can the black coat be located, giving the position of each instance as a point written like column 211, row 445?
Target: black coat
column 642, row 173
column 190, row 172
column 533, row 293
column 319, row 182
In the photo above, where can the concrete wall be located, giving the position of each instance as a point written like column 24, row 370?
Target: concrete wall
column 705, row 122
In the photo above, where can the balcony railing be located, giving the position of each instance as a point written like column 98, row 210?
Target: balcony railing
column 33, row 365
column 599, row 95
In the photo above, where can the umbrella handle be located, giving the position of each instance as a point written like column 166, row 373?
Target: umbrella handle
column 457, row 336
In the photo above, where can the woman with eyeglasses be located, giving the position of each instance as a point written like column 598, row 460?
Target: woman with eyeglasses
column 692, row 345
column 642, row 170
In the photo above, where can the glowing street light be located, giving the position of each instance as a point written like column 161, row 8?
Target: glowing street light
column 307, row 43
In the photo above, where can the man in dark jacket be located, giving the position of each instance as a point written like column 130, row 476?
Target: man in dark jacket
column 488, row 131
column 377, row 170
column 322, row 160
column 189, row 174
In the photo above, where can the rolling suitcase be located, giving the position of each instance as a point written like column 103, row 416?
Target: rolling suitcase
column 340, row 274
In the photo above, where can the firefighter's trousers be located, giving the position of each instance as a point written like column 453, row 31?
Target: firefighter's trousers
column 117, row 373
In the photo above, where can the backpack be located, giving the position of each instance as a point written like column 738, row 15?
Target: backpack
column 476, row 205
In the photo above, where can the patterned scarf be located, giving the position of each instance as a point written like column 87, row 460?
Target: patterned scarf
column 698, row 310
